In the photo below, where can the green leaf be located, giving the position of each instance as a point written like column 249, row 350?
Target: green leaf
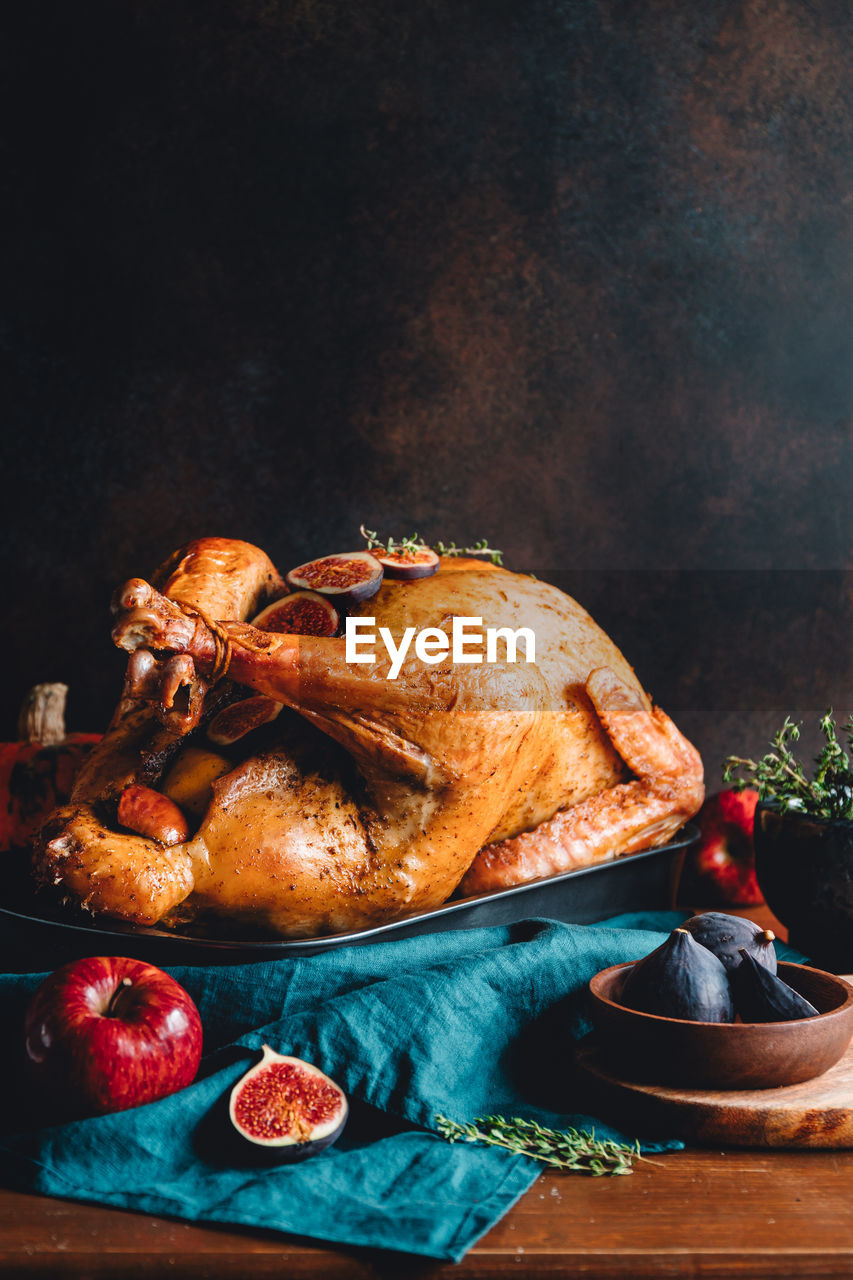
column 780, row 777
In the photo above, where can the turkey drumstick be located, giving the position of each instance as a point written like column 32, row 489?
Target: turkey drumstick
column 99, row 866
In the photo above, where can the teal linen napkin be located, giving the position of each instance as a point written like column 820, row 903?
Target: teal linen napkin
column 461, row 1023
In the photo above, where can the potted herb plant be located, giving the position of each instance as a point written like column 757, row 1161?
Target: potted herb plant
column 804, row 840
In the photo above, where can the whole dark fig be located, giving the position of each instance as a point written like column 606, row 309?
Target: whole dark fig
column 725, row 935
column 681, row 979
column 761, row 996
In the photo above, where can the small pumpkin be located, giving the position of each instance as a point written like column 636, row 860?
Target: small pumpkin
column 38, row 772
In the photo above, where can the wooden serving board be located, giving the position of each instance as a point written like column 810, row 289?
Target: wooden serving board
column 816, row 1113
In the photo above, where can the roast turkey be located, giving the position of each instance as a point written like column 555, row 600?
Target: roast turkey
column 367, row 798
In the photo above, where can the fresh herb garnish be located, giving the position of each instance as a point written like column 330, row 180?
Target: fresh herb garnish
column 573, row 1150
column 780, row 777
column 415, row 543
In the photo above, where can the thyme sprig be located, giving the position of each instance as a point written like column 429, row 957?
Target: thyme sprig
column 414, row 542
column 573, row 1150
column 780, row 777
column 480, row 548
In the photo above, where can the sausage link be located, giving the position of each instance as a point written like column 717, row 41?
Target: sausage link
column 150, row 813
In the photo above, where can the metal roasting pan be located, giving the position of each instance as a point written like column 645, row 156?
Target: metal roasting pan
column 36, row 936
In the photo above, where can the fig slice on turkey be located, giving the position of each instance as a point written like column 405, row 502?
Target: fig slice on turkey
column 369, row 798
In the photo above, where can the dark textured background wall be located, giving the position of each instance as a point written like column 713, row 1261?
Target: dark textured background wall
column 575, row 276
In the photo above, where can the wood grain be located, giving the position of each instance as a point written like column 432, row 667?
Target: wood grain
column 687, row 1214
column 815, row 1113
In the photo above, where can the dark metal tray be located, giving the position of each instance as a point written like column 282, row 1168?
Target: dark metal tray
column 36, row 936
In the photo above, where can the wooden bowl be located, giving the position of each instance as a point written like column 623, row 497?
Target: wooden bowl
column 725, row 1055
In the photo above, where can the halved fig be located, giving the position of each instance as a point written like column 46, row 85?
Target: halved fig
column 405, row 563
column 351, row 576
column 235, row 721
column 302, row 613
column 288, row 1107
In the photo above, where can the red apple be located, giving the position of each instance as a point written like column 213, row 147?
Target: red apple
column 720, row 869
column 108, row 1033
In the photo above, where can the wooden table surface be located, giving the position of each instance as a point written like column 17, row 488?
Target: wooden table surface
column 692, row 1213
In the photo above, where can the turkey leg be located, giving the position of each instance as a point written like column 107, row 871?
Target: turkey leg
column 378, row 720
column 119, row 872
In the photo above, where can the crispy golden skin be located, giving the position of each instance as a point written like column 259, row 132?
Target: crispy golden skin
column 542, row 767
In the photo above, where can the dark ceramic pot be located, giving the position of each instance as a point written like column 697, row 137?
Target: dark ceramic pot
column 804, row 867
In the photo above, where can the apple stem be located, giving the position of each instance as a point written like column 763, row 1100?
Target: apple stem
column 111, row 1009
